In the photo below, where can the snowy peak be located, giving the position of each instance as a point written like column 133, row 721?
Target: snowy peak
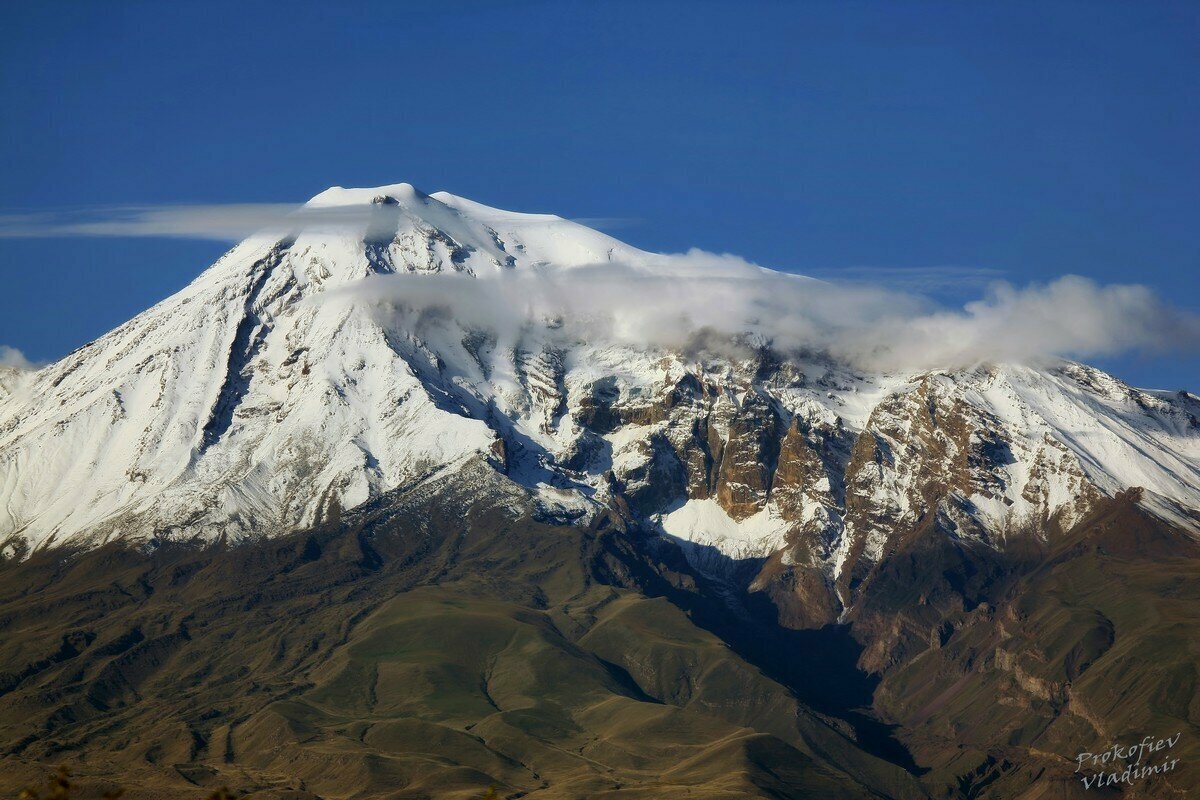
column 399, row 221
column 245, row 404
column 404, row 193
column 342, row 236
column 268, row 395
column 405, row 229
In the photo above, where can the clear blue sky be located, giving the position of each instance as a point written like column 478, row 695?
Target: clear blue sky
column 1034, row 138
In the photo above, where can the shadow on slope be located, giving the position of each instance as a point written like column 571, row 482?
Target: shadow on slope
column 820, row 666
column 436, row 644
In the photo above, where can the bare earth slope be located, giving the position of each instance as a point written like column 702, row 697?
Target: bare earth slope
column 439, row 643
column 429, row 649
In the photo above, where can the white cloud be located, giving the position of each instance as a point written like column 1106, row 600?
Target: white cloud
column 878, row 318
column 702, row 299
column 222, row 222
column 14, row 358
column 1071, row 316
column 227, row 222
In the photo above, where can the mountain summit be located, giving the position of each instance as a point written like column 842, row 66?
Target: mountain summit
column 240, row 404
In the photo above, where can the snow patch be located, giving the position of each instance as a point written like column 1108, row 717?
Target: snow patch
column 704, row 522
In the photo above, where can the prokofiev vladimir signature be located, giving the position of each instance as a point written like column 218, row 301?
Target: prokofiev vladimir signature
column 1111, row 761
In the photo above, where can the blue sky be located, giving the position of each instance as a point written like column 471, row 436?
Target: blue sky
column 1032, row 139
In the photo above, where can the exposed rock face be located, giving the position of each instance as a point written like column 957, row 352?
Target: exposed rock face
column 1003, row 658
column 940, row 454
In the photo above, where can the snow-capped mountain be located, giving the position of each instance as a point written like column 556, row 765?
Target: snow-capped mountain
column 287, row 384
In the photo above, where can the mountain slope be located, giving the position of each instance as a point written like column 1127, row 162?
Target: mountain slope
column 440, row 640
column 237, row 405
column 435, row 644
column 429, row 495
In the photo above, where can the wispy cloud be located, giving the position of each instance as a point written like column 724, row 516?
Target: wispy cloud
column 222, row 222
column 608, row 223
column 877, row 317
column 14, row 358
column 917, row 279
column 226, row 222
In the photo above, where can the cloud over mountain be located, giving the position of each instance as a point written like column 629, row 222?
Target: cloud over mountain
column 880, row 318
column 698, row 298
column 14, row 358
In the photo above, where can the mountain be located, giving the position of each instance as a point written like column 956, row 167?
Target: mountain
column 265, row 396
column 315, row 405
